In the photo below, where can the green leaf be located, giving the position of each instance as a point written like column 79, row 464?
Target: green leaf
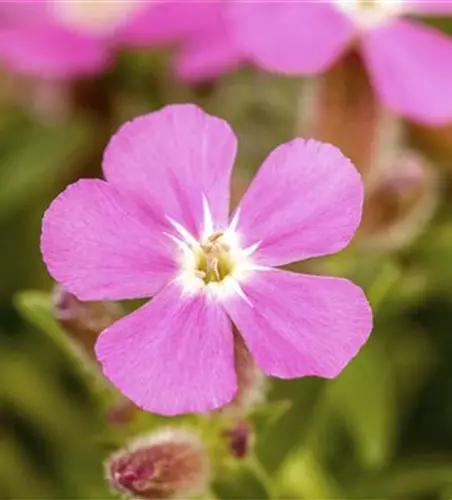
column 290, row 430
column 302, row 476
column 36, row 307
column 244, row 479
column 266, row 415
column 412, row 479
column 364, row 397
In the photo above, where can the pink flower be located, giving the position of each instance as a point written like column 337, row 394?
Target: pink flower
column 63, row 39
column 408, row 63
column 211, row 50
column 159, row 226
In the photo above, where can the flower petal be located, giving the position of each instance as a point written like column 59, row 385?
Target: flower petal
column 51, row 52
column 305, row 201
column 428, row 7
column 168, row 21
column 210, row 52
column 297, row 325
column 101, row 246
column 171, row 159
column 207, row 58
column 291, row 37
column 409, row 66
column 174, row 355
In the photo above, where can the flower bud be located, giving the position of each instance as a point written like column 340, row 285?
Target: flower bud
column 166, row 464
column 250, row 381
column 399, row 202
column 240, row 439
column 83, row 321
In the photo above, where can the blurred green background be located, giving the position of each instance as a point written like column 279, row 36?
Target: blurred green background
column 382, row 429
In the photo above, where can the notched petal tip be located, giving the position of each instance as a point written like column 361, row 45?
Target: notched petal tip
column 305, row 201
column 302, row 325
column 172, row 356
column 170, row 158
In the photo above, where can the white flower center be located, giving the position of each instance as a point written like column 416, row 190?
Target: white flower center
column 368, row 14
column 216, row 263
column 96, row 16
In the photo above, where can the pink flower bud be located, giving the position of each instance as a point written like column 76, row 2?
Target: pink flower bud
column 240, row 439
column 83, row 321
column 166, row 464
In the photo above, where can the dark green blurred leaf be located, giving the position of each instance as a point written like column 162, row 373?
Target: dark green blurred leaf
column 36, row 307
column 292, row 428
column 408, row 480
column 32, row 167
column 364, row 397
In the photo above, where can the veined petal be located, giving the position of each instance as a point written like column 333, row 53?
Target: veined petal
column 101, row 246
column 409, row 67
column 171, row 160
column 291, row 37
column 296, row 325
column 305, row 201
column 174, row 355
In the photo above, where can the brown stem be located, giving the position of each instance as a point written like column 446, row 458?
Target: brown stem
column 340, row 107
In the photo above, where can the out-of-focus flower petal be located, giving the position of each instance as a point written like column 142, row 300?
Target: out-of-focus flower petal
column 197, row 62
column 291, row 37
column 305, row 201
column 24, row 12
column 410, row 67
column 428, row 7
column 169, row 21
column 173, row 355
column 48, row 51
column 173, row 158
column 209, row 52
column 101, row 246
column 297, row 325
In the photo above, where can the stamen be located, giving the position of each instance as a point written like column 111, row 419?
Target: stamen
column 216, row 236
column 216, row 262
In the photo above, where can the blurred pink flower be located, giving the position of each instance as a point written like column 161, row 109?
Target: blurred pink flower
column 63, row 39
column 159, row 226
column 409, row 64
column 211, row 50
